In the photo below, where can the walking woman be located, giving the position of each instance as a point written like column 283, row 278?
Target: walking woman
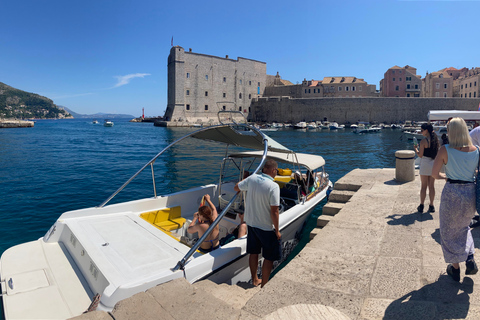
column 427, row 151
column 457, row 204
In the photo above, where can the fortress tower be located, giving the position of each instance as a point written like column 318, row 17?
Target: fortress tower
column 200, row 85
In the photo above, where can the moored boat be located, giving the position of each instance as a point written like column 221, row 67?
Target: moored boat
column 300, row 125
column 367, row 129
column 113, row 251
column 108, row 123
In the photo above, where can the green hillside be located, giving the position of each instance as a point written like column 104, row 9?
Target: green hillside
column 19, row 104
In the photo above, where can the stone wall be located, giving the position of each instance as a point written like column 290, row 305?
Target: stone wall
column 200, row 85
column 352, row 110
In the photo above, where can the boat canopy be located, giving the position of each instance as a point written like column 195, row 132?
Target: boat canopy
column 246, row 139
column 438, row 115
column 310, row 161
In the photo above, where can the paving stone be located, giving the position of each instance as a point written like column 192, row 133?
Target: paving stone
column 346, row 239
column 336, row 271
column 399, row 241
column 306, row 311
column 280, row 292
column 395, row 277
column 141, row 306
column 398, row 309
column 180, row 299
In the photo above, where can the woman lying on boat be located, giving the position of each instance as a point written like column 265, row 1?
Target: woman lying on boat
column 201, row 222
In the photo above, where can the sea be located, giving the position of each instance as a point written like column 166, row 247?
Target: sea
column 63, row 165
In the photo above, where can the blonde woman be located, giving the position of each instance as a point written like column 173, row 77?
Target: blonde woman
column 457, row 204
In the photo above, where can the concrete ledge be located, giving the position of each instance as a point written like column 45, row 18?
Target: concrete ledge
column 314, row 233
column 341, row 196
column 332, row 208
column 347, row 186
column 322, row 221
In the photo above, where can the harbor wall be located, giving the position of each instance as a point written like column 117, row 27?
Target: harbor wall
column 352, row 110
column 16, row 124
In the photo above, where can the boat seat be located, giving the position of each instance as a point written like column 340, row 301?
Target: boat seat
column 167, row 219
column 282, row 180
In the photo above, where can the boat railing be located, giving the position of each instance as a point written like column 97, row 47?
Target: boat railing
column 231, row 118
column 149, row 163
column 181, row 263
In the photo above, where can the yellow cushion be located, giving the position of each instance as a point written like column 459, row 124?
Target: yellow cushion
column 284, row 172
column 284, row 179
column 167, row 218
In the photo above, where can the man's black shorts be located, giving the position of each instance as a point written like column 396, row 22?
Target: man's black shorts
column 258, row 239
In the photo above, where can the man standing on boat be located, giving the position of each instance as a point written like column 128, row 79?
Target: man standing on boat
column 262, row 216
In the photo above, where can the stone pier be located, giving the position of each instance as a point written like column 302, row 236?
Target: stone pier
column 372, row 257
column 16, row 124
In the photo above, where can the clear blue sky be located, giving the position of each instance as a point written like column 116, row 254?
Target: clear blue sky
column 111, row 55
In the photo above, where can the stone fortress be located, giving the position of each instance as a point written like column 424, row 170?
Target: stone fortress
column 200, row 85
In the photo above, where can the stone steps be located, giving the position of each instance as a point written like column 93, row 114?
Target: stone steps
column 341, row 194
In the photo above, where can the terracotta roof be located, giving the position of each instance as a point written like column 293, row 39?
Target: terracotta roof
column 341, row 80
column 286, row 82
column 449, row 69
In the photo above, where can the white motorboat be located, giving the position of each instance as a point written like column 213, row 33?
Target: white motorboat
column 300, row 125
column 333, row 126
column 367, row 130
column 414, row 134
column 110, row 252
column 326, row 125
column 95, row 121
column 268, row 127
column 108, row 123
column 353, row 126
column 312, row 125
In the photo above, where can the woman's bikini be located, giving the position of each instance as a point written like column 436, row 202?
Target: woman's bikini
column 211, row 244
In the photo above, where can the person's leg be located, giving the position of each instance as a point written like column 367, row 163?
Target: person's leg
column 254, row 249
column 431, row 191
column 423, row 192
column 423, row 188
column 242, row 230
column 266, row 270
column 253, row 263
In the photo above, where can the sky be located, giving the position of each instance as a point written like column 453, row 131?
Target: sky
column 111, row 55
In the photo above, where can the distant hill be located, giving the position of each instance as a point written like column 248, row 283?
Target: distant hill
column 15, row 103
column 99, row 115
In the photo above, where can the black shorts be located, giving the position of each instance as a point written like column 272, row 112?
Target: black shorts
column 258, row 239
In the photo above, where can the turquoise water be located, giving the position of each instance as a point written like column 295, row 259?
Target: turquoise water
column 62, row 165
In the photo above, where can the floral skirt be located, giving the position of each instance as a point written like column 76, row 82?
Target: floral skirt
column 457, row 208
